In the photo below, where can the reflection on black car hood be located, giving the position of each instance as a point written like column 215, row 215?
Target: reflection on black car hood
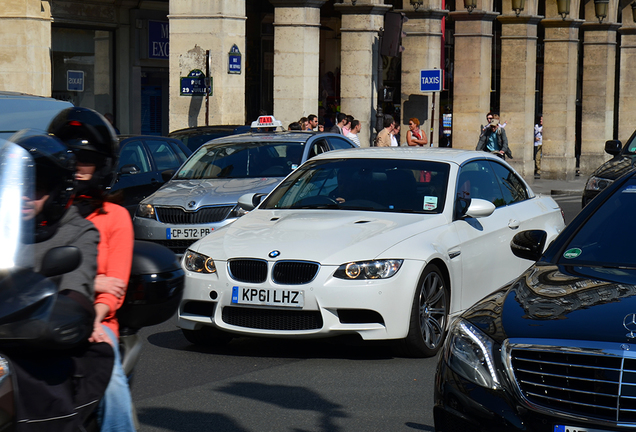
column 550, row 301
column 615, row 167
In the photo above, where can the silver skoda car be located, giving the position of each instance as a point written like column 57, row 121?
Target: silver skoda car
column 203, row 194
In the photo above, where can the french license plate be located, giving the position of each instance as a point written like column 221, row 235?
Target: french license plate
column 563, row 428
column 187, row 233
column 268, row 297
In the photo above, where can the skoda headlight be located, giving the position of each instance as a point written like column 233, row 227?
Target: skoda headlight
column 238, row 211
column 376, row 269
column 196, row 262
column 597, row 183
column 146, row 211
column 470, row 353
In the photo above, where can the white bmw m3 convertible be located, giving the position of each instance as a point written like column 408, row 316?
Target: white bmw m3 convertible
column 386, row 243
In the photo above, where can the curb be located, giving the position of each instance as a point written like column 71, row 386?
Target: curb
column 566, row 192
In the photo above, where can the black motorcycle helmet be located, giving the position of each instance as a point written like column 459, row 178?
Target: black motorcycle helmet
column 93, row 140
column 55, row 176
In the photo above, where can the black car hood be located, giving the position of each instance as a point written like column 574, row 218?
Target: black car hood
column 615, row 167
column 560, row 302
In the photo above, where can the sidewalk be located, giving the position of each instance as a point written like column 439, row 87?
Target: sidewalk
column 557, row 187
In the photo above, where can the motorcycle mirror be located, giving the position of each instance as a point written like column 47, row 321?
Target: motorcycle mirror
column 61, row 260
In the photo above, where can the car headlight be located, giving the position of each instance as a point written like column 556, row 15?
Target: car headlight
column 197, row 262
column 376, row 269
column 597, row 183
column 146, row 211
column 470, row 353
column 238, row 211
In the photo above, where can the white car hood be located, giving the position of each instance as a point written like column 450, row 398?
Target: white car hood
column 330, row 237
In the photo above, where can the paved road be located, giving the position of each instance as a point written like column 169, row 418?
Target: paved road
column 256, row 385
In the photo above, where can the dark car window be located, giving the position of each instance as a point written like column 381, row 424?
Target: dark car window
column 163, row 155
column 604, row 240
column 388, row 185
column 512, row 188
column 340, row 143
column 133, row 154
column 477, row 180
column 242, row 160
column 318, row 146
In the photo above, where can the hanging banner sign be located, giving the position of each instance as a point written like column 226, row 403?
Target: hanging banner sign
column 234, row 62
column 194, row 84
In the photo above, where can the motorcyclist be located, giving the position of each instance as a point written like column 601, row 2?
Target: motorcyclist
column 64, row 378
column 93, row 140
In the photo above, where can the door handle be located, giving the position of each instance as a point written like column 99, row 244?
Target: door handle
column 513, row 224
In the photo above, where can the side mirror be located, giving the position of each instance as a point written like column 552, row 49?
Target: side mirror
column 529, row 244
column 130, row 169
column 613, row 147
column 61, row 260
column 479, row 208
column 250, row 201
column 167, row 174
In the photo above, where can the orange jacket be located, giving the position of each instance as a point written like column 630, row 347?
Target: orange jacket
column 114, row 254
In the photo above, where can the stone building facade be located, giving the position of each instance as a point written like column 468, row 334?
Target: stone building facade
column 150, row 61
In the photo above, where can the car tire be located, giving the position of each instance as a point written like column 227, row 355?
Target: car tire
column 428, row 322
column 207, row 336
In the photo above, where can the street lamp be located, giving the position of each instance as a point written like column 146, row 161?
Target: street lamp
column 600, row 9
column 470, row 5
column 563, row 6
column 416, row 4
column 517, row 6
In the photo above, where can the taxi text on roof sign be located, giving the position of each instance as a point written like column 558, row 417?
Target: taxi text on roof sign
column 266, row 121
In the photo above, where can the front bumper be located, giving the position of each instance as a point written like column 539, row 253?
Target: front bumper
column 462, row 406
column 374, row 309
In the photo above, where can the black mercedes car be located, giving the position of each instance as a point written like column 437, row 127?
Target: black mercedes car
column 621, row 162
column 555, row 350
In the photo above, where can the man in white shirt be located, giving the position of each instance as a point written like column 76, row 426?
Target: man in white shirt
column 355, row 130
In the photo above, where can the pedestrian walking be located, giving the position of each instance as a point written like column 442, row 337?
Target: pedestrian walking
column 384, row 136
column 355, row 130
column 395, row 133
column 494, row 140
column 538, row 147
column 414, row 136
column 341, row 120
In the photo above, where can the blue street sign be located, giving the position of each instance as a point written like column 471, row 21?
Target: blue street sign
column 431, row 80
column 75, row 80
column 234, row 65
column 194, row 84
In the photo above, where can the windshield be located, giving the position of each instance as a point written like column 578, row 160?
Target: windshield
column 16, row 185
column 604, row 240
column 242, row 160
column 388, row 185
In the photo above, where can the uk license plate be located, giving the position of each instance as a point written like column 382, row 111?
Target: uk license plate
column 268, row 297
column 564, row 428
column 187, row 233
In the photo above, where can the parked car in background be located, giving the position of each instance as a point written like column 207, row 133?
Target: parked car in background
column 555, row 349
column 145, row 164
column 21, row 111
column 621, row 162
column 195, row 137
column 203, row 194
column 383, row 243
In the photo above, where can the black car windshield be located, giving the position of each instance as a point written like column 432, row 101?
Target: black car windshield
column 388, row 185
column 604, row 239
column 242, row 160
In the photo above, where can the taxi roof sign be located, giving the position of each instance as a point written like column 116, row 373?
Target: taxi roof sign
column 266, row 122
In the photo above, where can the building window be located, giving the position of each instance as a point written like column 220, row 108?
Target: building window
column 82, row 67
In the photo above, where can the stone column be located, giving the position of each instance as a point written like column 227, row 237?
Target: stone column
column 422, row 50
column 197, row 26
column 296, row 55
column 25, row 44
column 518, row 84
column 359, row 52
column 627, row 80
column 599, row 78
column 472, row 74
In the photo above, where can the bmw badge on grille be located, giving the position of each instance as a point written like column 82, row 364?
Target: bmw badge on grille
column 274, row 254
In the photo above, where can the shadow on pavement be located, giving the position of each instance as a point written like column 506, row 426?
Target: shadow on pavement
column 186, row 421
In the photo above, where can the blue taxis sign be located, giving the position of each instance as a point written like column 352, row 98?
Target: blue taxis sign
column 431, row 80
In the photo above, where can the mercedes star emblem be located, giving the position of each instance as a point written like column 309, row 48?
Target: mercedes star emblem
column 629, row 322
column 275, row 253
